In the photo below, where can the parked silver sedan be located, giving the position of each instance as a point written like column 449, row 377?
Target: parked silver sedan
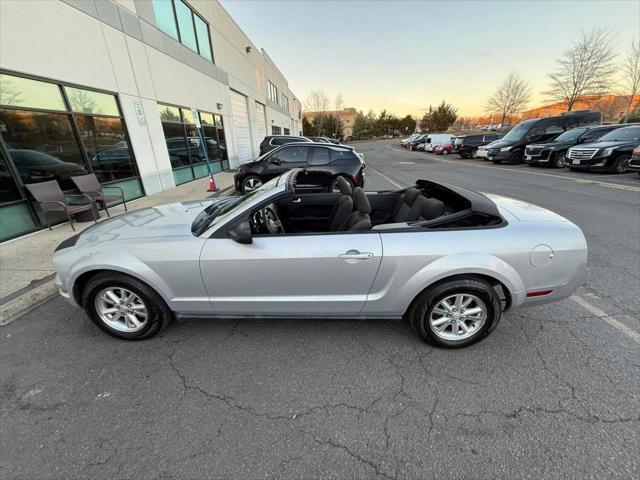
column 446, row 259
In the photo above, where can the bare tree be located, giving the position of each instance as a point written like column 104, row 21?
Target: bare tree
column 630, row 83
column 510, row 97
column 584, row 69
column 317, row 101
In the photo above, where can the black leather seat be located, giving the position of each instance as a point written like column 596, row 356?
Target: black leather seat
column 430, row 209
column 409, row 206
column 359, row 219
column 343, row 207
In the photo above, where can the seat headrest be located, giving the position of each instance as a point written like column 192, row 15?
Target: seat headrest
column 344, row 186
column 410, row 195
column 360, row 201
column 431, row 208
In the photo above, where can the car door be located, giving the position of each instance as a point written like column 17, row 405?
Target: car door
column 284, row 159
column 281, row 275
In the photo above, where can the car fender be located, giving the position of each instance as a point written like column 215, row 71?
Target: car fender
column 466, row 263
column 123, row 263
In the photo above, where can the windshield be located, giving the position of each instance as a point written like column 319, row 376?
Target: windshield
column 622, row 135
column 570, row 135
column 216, row 213
column 517, row 132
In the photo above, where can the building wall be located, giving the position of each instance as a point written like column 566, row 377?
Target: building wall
column 116, row 46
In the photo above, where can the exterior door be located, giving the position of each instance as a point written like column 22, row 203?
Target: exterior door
column 286, row 159
column 291, row 274
column 241, row 130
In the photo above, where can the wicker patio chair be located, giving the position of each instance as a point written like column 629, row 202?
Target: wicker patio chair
column 52, row 199
column 89, row 185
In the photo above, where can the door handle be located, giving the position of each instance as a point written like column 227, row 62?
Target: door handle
column 296, row 200
column 355, row 255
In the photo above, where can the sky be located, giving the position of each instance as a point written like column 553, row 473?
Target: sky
column 405, row 55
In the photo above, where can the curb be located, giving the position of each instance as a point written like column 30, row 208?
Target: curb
column 34, row 297
column 23, row 304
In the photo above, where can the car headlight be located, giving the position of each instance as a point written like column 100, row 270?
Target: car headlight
column 505, row 149
column 608, row 151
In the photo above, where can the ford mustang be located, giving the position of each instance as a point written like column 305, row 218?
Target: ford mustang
column 448, row 260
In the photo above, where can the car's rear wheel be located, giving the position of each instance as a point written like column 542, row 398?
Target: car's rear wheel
column 250, row 183
column 456, row 313
column 620, row 164
column 125, row 307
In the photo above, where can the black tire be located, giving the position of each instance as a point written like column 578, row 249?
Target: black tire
column 427, row 300
column 333, row 187
column 243, row 185
column 516, row 158
column 474, row 153
column 158, row 313
column 556, row 160
column 620, row 164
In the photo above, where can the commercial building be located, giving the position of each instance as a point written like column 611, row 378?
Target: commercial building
column 346, row 115
column 113, row 87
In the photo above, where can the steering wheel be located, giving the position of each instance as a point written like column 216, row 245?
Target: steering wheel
column 271, row 219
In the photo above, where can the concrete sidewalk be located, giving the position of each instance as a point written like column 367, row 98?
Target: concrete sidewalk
column 26, row 267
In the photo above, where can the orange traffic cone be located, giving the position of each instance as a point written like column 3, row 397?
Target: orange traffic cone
column 212, row 184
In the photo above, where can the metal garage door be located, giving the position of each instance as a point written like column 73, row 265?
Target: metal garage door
column 241, row 131
column 261, row 125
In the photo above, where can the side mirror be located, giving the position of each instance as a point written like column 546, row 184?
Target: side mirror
column 241, row 233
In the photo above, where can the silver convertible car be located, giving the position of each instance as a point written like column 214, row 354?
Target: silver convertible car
column 446, row 259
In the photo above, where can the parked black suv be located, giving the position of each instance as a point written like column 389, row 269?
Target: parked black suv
column 510, row 148
column 611, row 152
column 552, row 154
column 274, row 141
column 467, row 146
column 325, row 163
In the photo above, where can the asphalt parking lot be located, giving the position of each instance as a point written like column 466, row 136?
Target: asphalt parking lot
column 552, row 393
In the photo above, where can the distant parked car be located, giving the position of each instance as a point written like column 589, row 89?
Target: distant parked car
column 510, row 148
column 405, row 141
column 634, row 163
column 467, row 146
column 552, row 154
column 325, row 163
column 445, row 149
column 483, row 152
column 611, row 153
column 435, row 139
column 420, row 147
column 417, row 141
column 274, row 141
column 35, row 166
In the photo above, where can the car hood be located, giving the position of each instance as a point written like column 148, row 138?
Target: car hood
column 171, row 220
column 499, row 144
column 553, row 145
column 523, row 211
column 605, row 144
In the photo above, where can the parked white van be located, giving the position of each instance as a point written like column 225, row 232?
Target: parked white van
column 435, row 139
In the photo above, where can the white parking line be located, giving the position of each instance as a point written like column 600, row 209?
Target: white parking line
column 618, row 186
column 602, row 315
column 384, row 176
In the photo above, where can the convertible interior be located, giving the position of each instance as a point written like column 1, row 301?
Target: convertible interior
column 426, row 205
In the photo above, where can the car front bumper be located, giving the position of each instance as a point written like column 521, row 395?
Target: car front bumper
column 594, row 164
column 634, row 164
column 538, row 158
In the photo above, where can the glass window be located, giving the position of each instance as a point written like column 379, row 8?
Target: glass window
column 8, row 189
column 272, row 92
column 107, row 147
column 285, row 102
column 293, row 155
column 165, row 19
column 340, row 154
column 176, row 144
column 86, row 101
column 206, row 118
column 185, row 24
column 276, row 130
column 42, row 146
column 593, row 134
column 221, row 137
column 169, row 114
column 187, row 116
column 553, row 129
column 320, row 156
column 24, row 92
column 202, row 32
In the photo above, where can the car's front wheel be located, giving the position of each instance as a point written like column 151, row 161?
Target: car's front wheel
column 125, row 307
column 474, row 153
column 250, row 183
column 456, row 313
column 620, row 164
column 557, row 160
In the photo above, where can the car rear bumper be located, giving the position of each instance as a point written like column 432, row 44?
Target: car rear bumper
column 558, row 292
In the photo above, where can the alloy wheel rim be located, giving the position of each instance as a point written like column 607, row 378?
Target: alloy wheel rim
column 121, row 309
column 251, row 184
column 458, row 317
column 623, row 165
